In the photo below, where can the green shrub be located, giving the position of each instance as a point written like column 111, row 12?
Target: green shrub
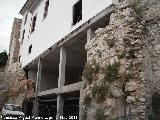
column 100, row 114
column 131, row 54
column 89, row 70
column 3, row 58
column 111, row 72
column 99, row 93
column 88, row 73
column 122, row 55
column 87, row 100
column 135, row 4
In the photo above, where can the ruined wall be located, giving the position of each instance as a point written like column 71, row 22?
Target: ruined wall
column 114, row 72
column 18, row 87
column 122, row 74
column 13, row 65
column 151, row 19
column 14, row 41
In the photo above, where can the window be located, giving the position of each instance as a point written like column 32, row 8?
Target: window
column 30, row 49
column 33, row 23
column 23, row 36
column 77, row 12
column 19, row 58
column 46, row 9
column 25, row 19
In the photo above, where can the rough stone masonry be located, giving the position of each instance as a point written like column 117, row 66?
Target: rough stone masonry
column 122, row 73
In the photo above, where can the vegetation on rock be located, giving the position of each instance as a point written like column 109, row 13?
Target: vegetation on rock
column 100, row 114
column 131, row 54
column 87, row 100
column 99, row 92
column 111, row 72
column 89, row 71
column 135, row 4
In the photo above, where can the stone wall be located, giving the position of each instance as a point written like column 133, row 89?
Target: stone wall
column 114, row 73
column 152, row 51
column 13, row 65
column 14, row 41
column 122, row 73
column 19, row 89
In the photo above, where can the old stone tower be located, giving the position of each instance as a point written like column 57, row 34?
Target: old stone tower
column 122, row 73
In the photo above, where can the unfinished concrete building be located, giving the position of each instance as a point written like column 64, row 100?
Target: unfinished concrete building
column 52, row 51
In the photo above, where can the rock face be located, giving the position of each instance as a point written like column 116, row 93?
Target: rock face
column 2, row 86
column 21, row 90
column 18, row 88
column 152, row 51
column 14, row 44
column 122, row 66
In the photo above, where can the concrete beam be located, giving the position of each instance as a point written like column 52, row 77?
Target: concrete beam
column 39, row 74
column 48, row 92
column 64, row 89
column 70, row 88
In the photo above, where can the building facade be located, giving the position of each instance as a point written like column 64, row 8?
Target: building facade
column 52, row 50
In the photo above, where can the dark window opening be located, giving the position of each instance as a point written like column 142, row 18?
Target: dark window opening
column 30, row 49
column 23, row 36
column 34, row 23
column 27, row 107
column 156, row 106
column 25, row 19
column 47, row 109
column 46, row 9
column 19, row 58
column 77, row 12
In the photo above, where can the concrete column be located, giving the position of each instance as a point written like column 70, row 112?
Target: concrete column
column 39, row 74
column 60, row 103
column 80, row 105
column 62, row 66
column 90, row 34
column 61, row 82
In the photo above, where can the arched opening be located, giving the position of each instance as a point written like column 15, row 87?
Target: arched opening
column 156, row 106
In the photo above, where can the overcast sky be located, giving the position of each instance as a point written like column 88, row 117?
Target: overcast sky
column 9, row 9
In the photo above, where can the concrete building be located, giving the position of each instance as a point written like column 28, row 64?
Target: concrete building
column 52, row 50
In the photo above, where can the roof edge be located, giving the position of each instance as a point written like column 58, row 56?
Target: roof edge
column 26, row 6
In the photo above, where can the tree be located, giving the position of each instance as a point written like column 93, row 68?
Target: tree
column 3, row 59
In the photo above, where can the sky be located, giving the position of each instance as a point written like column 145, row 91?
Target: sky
column 9, row 9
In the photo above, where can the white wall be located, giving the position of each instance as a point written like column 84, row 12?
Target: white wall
column 57, row 24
